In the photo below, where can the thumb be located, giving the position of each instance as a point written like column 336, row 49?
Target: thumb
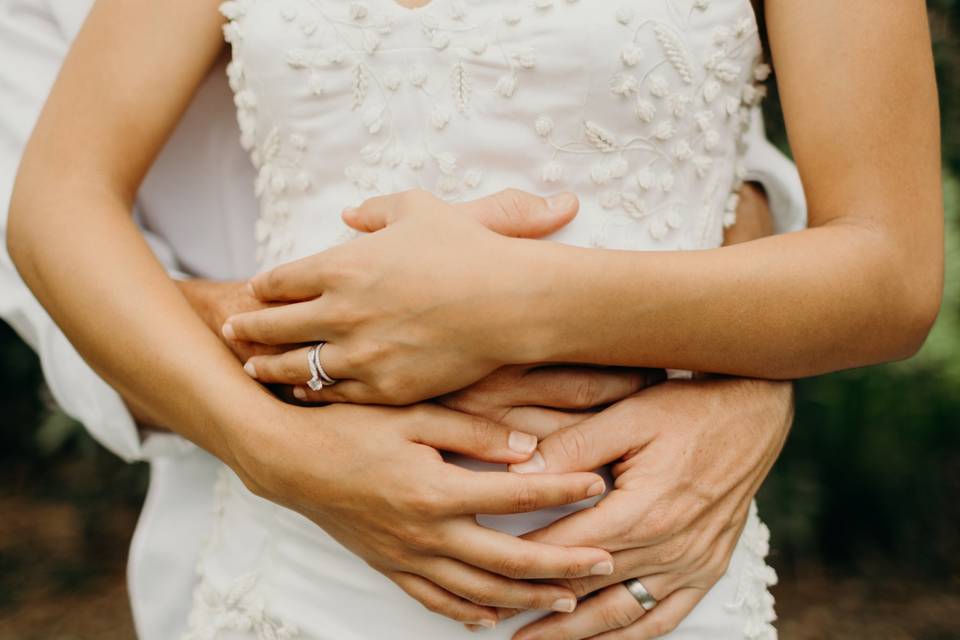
column 601, row 439
column 381, row 211
column 519, row 214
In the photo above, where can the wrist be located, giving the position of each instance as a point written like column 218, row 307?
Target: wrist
column 563, row 284
column 249, row 436
column 531, row 277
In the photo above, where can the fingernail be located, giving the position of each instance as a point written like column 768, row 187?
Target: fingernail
column 564, row 605
column 561, row 202
column 349, row 211
column 250, row 290
column 487, row 624
column 535, row 464
column 522, row 442
column 299, row 393
column 228, row 332
column 604, row 568
column 596, row 488
column 250, row 369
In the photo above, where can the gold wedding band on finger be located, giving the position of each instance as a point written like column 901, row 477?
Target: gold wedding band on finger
column 638, row 591
column 319, row 378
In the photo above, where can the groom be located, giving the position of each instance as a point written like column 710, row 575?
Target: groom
column 203, row 169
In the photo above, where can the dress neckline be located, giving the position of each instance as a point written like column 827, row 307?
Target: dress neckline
column 400, row 7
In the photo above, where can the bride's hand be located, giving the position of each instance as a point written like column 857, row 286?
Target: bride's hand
column 423, row 307
column 373, row 478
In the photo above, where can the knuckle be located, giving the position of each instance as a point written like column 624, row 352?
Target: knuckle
column 514, row 566
column 433, row 604
column 341, row 317
column 364, row 356
column 416, row 537
column 288, row 370
column 615, row 617
column 572, row 569
column 670, row 552
column 510, row 207
column 481, row 430
column 462, row 401
column 483, row 594
column 624, row 526
column 662, row 626
column 525, row 496
column 424, row 502
column 659, row 523
column 587, row 392
column 573, row 444
column 579, row 586
column 273, row 282
column 512, row 200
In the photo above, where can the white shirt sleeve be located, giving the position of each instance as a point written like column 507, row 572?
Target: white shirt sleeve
column 767, row 165
column 33, row 44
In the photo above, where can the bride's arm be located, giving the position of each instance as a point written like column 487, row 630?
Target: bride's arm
column 70, row 232
column 431, row 302
column 863, row 284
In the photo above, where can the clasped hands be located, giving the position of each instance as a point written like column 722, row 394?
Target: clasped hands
column 688, row 458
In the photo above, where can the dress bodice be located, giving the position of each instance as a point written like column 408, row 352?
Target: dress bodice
column 638, row 106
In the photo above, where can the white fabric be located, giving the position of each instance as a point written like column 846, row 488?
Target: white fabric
column 639, row 108
column 198, row 209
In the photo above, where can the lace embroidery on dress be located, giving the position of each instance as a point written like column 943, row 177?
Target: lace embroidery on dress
column 239, row 608
column 753, row 598
column 677, row 135
column 676, row 122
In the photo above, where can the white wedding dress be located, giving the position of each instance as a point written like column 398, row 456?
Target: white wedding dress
column 638, row 106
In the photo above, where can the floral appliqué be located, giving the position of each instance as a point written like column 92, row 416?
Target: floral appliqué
column 678, row 121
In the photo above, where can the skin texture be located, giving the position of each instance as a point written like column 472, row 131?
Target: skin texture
column 868, row 153
column 673, row 474
column 100, row 130
column 94, row 141
column 674, row 525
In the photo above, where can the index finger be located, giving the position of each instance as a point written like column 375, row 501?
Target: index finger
column 302, row 279
column 517, row 558
column 601, row 526
column 501, row 492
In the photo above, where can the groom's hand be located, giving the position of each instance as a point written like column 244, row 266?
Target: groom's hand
column 688, row 459
column 544, row 399
column 216, row 301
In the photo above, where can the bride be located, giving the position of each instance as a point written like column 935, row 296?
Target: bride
column 637, row 107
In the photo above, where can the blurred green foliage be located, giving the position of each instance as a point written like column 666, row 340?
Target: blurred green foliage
column 869, row 482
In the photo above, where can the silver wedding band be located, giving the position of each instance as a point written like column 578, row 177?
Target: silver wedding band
column 319, row 378
column 638, row 591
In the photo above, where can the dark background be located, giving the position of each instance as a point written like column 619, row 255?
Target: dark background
column 864, row 504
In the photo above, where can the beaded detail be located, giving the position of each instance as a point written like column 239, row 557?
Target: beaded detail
column 239, row 608
column 649, row 131
column 637, row 106
column 753, row 598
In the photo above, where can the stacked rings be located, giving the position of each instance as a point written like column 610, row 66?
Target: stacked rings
column 319, row 378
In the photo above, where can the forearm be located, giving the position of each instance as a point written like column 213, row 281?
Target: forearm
column 862, row 286
column 158, row 355
column 789, row 306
